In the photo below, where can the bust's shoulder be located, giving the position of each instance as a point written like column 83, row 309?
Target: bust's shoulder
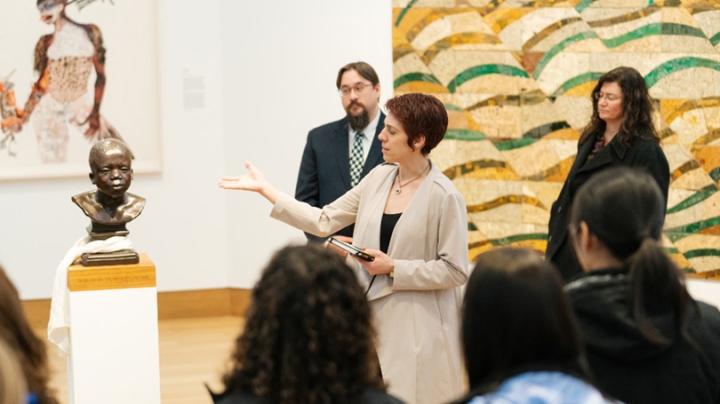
column 133, row 199
column 133, row 207
column 85, row 199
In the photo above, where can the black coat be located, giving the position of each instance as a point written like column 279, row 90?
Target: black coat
column 324, row 172
column 641, row 152
column 625, row 364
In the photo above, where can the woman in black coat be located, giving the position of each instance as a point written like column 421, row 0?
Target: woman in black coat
column 620, row 133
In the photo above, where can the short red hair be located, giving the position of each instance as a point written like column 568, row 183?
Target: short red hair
column 420, row 115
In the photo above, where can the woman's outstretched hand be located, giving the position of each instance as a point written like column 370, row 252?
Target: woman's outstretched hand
column 254, row 181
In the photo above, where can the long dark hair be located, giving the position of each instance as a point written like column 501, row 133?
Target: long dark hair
column 308, row 336
column 30, row 350
column 516, row 316
column 637, row 107
column 624, row 208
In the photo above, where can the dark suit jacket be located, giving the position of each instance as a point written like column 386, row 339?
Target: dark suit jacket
column 325, row 167
column 641, row 152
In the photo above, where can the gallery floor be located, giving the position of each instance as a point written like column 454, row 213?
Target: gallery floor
column 192, row 352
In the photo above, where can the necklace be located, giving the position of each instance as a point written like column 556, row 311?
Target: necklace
column 399, row 188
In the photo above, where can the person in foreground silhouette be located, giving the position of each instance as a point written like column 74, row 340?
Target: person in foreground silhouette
column 647, row 340
column 308, row 337
column 520, row 340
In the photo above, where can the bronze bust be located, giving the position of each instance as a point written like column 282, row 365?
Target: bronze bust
column 110, row 207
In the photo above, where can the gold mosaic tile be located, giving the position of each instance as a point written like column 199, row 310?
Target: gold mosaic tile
column 480, row 193
column 617, row 4
column 537, row 116
column 685, row 217
column 677, row 44
column 690, row 126
column 516, row 79
column 555, row 37
column 697, row 82
column 451, row 153
column 499, row 121
column 632, row 22
column 576, row 110
column 573, row 65
column 708, row 21
column 545, row 192
column 501, row 18
column 449, row 25
column 678, row 15
column 410, row 63
column 694, row 179
column 532, row 160
column 676, row 155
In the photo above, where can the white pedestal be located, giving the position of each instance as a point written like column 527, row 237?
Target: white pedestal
column 114, row 355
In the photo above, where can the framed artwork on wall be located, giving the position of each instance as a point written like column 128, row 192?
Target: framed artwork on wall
column 73, row 72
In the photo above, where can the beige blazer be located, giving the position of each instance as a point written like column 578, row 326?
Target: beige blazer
column 417, row 311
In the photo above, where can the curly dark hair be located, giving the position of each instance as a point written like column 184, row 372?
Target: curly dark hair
column 308, row 336
column 637, row 107
column 30, row 350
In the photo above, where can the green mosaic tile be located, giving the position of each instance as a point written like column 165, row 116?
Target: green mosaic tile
column 672, row 66
column 559, row 48
column 694, row 199
column 415, row 76
column 481, row 70
column 464, row 134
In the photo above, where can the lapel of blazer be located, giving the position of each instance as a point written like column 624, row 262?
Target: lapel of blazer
column 410, row 233
column 342, row 155
column 375, row 155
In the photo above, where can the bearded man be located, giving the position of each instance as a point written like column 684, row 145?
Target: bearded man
column 339, row 154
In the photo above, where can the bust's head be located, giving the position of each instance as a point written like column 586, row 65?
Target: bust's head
column 111, row 167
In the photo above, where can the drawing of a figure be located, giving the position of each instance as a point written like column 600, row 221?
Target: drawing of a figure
column 64, row 61
column 8, row 109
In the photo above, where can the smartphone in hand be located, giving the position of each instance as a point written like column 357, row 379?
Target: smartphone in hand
column 351, row 249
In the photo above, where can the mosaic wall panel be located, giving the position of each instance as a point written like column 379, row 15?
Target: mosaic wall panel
column 516, row 75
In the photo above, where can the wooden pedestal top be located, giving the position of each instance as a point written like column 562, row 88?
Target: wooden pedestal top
column 140, row 275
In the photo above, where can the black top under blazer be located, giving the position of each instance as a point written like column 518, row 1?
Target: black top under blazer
column 643, row 152
column 325, row 166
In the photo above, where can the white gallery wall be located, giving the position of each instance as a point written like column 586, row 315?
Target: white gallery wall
column 237, row 81
column 280, row 63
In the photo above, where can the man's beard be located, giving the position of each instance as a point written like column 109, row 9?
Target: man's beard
column 360, row 121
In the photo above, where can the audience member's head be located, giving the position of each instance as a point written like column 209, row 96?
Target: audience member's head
column 516, row 317
column 616, row 221
column 30, row 350
column 12, row 381
column 308, row 336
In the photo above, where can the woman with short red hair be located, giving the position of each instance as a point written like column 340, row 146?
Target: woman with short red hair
column 413, row 220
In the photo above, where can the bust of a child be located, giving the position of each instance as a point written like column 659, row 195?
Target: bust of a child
column 110, row 206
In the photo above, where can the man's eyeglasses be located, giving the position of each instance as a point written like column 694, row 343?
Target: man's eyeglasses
column 358, row 88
